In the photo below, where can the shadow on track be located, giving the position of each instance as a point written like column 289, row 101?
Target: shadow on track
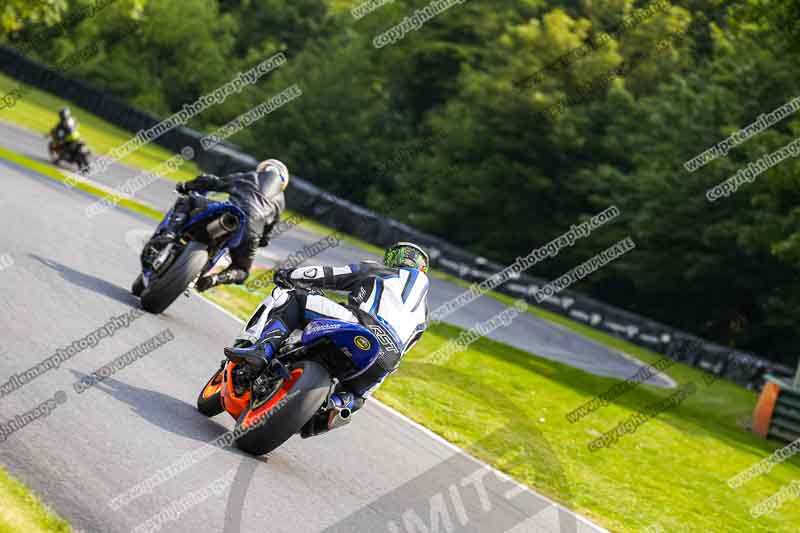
column 162, row 410
column 87, row 281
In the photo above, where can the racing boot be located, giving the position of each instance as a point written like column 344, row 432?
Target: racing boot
column 229, row 275
column 261, row 353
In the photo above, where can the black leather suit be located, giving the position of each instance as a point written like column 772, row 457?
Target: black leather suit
column 257, row 194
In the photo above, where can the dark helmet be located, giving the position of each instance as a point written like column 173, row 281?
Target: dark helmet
column 64, row 113
column 406, row 254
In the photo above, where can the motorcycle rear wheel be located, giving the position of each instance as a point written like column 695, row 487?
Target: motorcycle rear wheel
column 274, row 421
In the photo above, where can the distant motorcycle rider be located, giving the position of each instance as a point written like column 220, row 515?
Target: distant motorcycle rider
column 258, row 193
column 65, row 133
column 389, row 299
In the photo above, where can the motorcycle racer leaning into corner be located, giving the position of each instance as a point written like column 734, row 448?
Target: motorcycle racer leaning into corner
column 258, row 193
column 65, row 132
column 389, row 299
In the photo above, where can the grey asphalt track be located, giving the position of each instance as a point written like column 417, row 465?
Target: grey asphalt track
column 69, row 276
column 526, row 332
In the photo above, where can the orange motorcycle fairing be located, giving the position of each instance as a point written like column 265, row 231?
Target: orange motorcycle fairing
column 233, row 404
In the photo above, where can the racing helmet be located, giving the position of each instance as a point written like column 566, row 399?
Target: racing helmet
column 279, row 167
column 406, row 254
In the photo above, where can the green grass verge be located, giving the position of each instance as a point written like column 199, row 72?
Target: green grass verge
column 671, row 472
column 51, row 172
column 38, row 111
column 21, row 511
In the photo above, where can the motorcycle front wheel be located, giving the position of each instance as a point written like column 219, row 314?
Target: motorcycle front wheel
column 138, row 286
column 162, row 290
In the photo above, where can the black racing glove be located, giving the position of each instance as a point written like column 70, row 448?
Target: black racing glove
column 281, row 278
column 182, row 188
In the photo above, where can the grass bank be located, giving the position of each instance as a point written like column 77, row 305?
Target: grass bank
column 21, row 511
column 672, row 471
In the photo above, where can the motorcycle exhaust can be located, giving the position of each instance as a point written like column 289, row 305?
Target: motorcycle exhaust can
column 340, row 416
column 329, row 418
column 222, row 226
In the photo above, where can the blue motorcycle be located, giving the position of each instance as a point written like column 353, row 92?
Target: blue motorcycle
column 291, row 393
column 170, row 267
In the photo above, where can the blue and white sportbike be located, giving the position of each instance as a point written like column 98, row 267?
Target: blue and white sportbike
column 170, row 267
column 271, row 400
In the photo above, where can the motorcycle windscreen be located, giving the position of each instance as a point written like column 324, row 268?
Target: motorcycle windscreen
column 354, row 340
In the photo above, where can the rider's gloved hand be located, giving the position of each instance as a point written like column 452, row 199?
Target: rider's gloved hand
column 181, row 188
column 281, row 278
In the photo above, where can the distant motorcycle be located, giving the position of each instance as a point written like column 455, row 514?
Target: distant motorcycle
column 170, row 268
column 70, row 149
column 290, row 394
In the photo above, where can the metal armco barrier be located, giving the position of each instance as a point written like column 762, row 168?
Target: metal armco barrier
column 341, row 215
